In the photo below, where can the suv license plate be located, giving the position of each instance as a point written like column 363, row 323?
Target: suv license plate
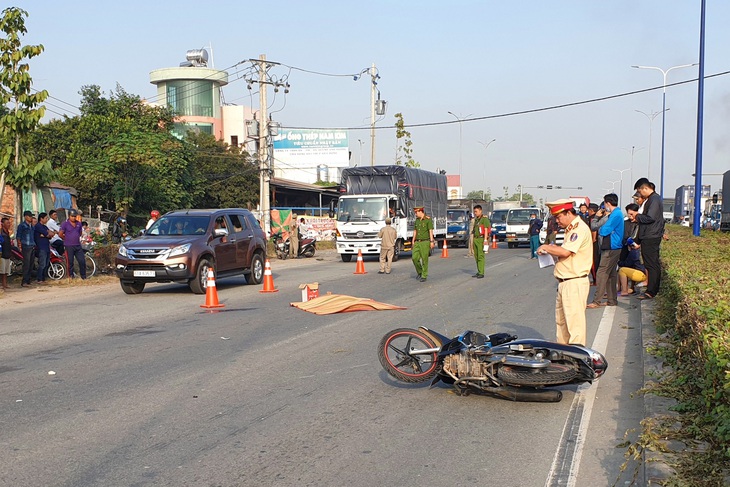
column 144, row 273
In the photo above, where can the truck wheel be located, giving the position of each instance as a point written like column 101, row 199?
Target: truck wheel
column 346, row 257
column 200, row 281
column 135, row 287
column 510, row 245
column 397, row 250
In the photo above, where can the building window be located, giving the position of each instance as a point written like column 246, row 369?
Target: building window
column 191, row 98
column 234, row 140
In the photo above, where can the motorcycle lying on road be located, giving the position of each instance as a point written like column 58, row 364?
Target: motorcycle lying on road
column 307, row 246
column 498, row 364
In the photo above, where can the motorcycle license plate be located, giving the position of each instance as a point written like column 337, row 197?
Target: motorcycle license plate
column 144, row 273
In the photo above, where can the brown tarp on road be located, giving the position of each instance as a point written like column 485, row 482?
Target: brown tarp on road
column 340, row 303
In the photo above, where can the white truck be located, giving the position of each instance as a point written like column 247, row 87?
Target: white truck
column 370, row 194
column 518, row 223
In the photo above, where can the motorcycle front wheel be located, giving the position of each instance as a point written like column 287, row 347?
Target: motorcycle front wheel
column 395, row 352
column 552, row 375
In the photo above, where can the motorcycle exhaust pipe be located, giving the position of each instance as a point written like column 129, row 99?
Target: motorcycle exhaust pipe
column 526, row 395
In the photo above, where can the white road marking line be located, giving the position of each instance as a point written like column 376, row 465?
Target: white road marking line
column 566, row 463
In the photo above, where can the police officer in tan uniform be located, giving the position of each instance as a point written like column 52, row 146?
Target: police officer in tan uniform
column 575, row 258
column 388, row 237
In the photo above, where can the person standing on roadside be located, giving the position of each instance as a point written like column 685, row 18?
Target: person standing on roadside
column 70, row 232
column 571, row 270
column 42, row 236
column 52, row 224
column 26, row 244
column 154, row 215
column 480, row 232
column 533, row 230
column 612, row 234
column 422, row 242
column 551, row 230
column 387, row 236
column 6, row 251
column 651, row 232
column 294, row 236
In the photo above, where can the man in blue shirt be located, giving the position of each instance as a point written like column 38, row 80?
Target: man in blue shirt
column 42, row 236
column 611, row 233
column 26, row 244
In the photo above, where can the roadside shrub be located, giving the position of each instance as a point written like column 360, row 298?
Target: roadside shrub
column 693, row 312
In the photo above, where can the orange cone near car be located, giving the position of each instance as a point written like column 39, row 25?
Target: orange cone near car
column 268, row 280
column 494, row 241
column 360, row 268
column 211, row 293
column 445, row 251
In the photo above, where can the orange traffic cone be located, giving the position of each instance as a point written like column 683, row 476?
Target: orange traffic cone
column 211, row 293
column 268, row 280
column 494, row 241
column 360, row 269
column 445, row 251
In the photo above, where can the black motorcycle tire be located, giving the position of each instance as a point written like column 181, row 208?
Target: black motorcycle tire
column 404, row 367
column 309, row 252
column 554, row 374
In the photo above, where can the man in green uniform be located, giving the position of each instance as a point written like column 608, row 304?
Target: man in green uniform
column 481, row 226
column 422, row 242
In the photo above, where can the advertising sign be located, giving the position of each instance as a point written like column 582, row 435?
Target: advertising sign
column 300, row 148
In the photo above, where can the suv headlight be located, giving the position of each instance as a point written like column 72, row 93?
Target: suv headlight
column 179, row 250
column 123, row 251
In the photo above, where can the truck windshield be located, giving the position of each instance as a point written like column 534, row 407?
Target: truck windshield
column 521, row 216
column 499, row 216
column 179, row 225
column 362, row 209
column 457, row 216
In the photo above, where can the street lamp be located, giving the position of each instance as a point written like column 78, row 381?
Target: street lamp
column 613, row 185
column 632, row 151
column 650, row 116
column 621, row 190
column 361, row 143
column 486, row 146
column 664, row 109
column 460, row 119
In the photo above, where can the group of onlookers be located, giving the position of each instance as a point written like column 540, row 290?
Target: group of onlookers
column 626, row 250
column 35, row 237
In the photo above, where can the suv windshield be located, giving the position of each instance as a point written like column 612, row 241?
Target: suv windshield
column 179, row 225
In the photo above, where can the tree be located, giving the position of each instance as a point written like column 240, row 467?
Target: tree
column 225, row 175
column 403, row 153
column 479, row 194
column 16, row 167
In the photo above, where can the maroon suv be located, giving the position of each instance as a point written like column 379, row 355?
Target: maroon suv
column 182, row 245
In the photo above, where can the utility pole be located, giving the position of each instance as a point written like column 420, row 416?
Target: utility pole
column 372, row 115
column 264, row 169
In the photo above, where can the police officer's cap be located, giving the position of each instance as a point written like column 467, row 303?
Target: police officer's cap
column 560, row 206
column 418, row 208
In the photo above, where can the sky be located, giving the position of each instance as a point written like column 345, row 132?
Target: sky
column 480, row 60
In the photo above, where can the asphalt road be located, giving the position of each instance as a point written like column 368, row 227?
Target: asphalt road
column 153, row 390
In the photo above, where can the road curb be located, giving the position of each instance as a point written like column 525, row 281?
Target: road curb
column 656, row 467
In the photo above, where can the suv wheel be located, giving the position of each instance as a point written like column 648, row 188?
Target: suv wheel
column 135, row 287
column 256, row 276
column 200, row 281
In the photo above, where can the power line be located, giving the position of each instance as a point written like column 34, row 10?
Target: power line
column 520, row 112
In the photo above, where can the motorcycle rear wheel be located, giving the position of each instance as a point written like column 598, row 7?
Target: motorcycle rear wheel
column 395, row 359
column 553, row 375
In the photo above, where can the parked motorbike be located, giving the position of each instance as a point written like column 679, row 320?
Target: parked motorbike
column 497, row 364
column 307, row 246
column 56, row 267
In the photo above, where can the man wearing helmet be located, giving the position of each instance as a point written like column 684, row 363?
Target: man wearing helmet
column 154, row 215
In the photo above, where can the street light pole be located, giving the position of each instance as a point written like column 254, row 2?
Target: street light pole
column 650, row 116
column 486, row 146
column 621, row 190
column 460, row 119
column 664, row 109
column 361, row 143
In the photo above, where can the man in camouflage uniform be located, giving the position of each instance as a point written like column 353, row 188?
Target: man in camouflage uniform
column 422, row 242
